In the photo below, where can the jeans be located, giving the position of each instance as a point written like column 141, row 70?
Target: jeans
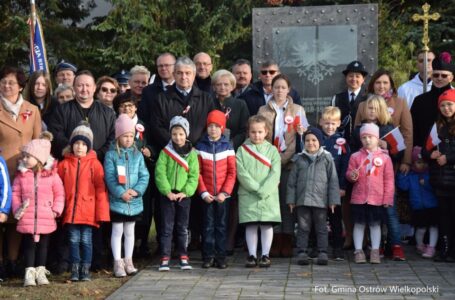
column 80, row 242
column 174, row 213
column 214, row 231
column 306, row 215
column 393, row 225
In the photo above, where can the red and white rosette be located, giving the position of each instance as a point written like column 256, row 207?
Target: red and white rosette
column 377, row 162
column 341, row 145
column 26, row 115
column 140, row 131
column 289, row 120
column 390, row 110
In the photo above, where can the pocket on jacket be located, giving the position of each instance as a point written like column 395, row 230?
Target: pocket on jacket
column 87, row 199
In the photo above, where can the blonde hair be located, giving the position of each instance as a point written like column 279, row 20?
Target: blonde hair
column 259, row 119
column 379, row 104
column 140, row 70
column 224, row 73
column 331, row 113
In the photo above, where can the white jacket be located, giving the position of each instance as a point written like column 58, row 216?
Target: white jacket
column 411, row 89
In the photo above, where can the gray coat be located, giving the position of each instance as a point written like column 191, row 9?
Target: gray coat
column 313, row 183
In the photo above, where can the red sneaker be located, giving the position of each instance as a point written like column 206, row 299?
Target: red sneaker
column 397, row 253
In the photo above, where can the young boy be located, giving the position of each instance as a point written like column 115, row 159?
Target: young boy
column 312, row 188
column 176, row 177
column 216, row 182
column 334, row 143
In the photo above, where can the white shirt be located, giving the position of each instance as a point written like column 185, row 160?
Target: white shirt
column 411, row 89
column 267, row 97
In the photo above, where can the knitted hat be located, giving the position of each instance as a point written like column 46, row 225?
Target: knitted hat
column 124, row 124
column 448, row 95
column 181, row 122
column 217, row 117
column 369, row 129
column 82, row 133
column 40, row 148
column 316, row 132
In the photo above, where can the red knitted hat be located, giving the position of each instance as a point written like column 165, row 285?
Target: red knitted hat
column 448, row 95
column 217, row 117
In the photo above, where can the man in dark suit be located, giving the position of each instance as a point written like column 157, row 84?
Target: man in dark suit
column 242, row 72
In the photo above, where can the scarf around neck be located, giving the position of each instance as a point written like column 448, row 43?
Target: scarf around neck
column 12, row 108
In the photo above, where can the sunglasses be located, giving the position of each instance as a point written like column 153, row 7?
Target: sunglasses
column 271, row 72
column 105, row 90
column 437, row 75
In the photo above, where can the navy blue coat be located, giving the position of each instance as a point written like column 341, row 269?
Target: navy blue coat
column 341, row 160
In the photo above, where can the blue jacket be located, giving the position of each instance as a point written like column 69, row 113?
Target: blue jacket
column 341, row 160
column 420, row 196
column 5, row 188
column 136, row 178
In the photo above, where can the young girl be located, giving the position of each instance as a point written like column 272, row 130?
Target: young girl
column 127, row 179
column 86, row 201
column 442, row 173
column 38, row 198
column 258, row 172
column 371, row 171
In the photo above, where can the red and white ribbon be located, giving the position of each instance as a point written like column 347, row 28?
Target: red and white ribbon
column 260, row 157
column 176, row 157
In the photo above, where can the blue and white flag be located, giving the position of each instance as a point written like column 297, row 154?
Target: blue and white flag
column 38, row 56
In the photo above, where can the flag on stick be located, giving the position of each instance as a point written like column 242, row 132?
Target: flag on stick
column 433, row 139
column 38, row 56
column 396, row 140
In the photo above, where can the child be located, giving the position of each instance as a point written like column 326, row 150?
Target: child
column 424, row 204
column 312, row 188
column 38, row 198
column 334, row 143
column 371, row 171
column 258, row 172
column 176, row 177
column 442, row 174
column 86, row 201
column 216, row 182
column 127, row 179
column 5, row 193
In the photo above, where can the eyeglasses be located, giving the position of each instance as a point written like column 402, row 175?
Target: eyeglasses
column 271, row 72
column 205, row 64
column 164, row 66
column 126, row 105
column 10, row 83
column 437, row 75
column 105, row 90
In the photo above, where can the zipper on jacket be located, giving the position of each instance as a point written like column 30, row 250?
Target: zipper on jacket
column 76, row 190
column 35, row 184
column 175, row 178
column 214, row 170
column 127, row 180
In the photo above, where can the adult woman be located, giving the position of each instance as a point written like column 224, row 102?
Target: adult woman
column 106, row 90
column 39, row 92
column 382, row 84
column 285, row 117
column 64, row 93
column 20, row 122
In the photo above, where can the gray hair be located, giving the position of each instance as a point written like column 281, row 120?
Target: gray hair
column 223, row 73
column 185, row 61
column 63, row 87
column 140, row 70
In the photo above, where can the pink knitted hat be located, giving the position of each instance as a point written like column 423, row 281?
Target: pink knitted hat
column 124, row 124
column 370, row 129
column 40, row 148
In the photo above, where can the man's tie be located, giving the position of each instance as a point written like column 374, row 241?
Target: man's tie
column 352, row 97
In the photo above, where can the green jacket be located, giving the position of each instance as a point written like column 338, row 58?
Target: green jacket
column 258, row 189
column 170, row 176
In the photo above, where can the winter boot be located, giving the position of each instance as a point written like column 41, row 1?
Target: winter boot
column 119, row 268
column 129, row 267
column 286, row 245
column 275, row 251
column 30, row 277
column 75, row 272
column 41, row 273
column 85, row 272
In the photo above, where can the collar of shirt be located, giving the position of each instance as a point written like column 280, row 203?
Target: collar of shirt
column 183, row 92
column 166, row 85
column 267, row 96
column 356, row 92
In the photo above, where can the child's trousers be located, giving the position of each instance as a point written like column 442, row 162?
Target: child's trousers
column 306, row 215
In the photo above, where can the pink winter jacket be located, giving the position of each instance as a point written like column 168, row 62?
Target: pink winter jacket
column 377, row 188
column 39, row 215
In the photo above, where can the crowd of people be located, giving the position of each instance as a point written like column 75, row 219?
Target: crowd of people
column 217, row 161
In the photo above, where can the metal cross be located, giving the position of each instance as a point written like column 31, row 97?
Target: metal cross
column 425, row 18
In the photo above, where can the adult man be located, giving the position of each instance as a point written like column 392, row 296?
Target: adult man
column 414, row 87
column 68, row 116
column 65, row 73
column 139, row 79
column 261, row 91
column 204, row 67
column 165, row 67
column 242, row 72
column 424, row 110
column 122, row 78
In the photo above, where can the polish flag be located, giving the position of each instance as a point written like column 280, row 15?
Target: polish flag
column 433, row 139
column 396, row 141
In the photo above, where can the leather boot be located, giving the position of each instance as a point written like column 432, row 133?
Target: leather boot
column 286, row 245
column 119, row 268
column 129, row 267
column 444, row 249
column 275, row 251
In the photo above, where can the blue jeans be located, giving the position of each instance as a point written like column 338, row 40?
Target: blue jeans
column 393, row 225
column 174, row 213
column 80, row 242
column 214, row 231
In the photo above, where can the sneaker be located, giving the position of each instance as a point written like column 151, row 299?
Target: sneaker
column 338, row 254
column 429, row 252
column 421, row 248
column 375, row 257
column 184, row 263
column 41, row 273
column 221, row 263
column 303, row 259
column 323, row 259
column 265, row 262
column 164, row 265
column 359, row 257
column 30, row 277
column 251, row 262
column 207, row 263
column 397, row 253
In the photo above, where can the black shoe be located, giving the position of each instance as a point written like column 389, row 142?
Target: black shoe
column 322, row 259
column 313, row 253
column 303, row 259
column 2, row 272
column 251, row 262
column 229, row 252
column 338, row 254
column 207, row 263
column 12, row 269
column 265, row 262
column 220, row 263
column 444, row 250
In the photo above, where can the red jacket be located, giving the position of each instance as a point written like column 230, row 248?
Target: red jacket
column 86, row 198
column 216, row 166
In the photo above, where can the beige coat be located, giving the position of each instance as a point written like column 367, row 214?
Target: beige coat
column 401, row 116
column 15, row 134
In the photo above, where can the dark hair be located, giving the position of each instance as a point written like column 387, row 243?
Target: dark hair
column 375, row 77
column 29, row 92
column 283, row 77
column 84, row 72
column 123, row 98
column 448, row 122
column 259, row 119
column 269, row 63
column 241, row 61
column 104, row 79
column 17, row 72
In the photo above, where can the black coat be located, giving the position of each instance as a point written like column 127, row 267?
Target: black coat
column 254, row 97
column 68, row 116
column 170, row 104
column 424, row 112
column 204, row 84
column 149, row 95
